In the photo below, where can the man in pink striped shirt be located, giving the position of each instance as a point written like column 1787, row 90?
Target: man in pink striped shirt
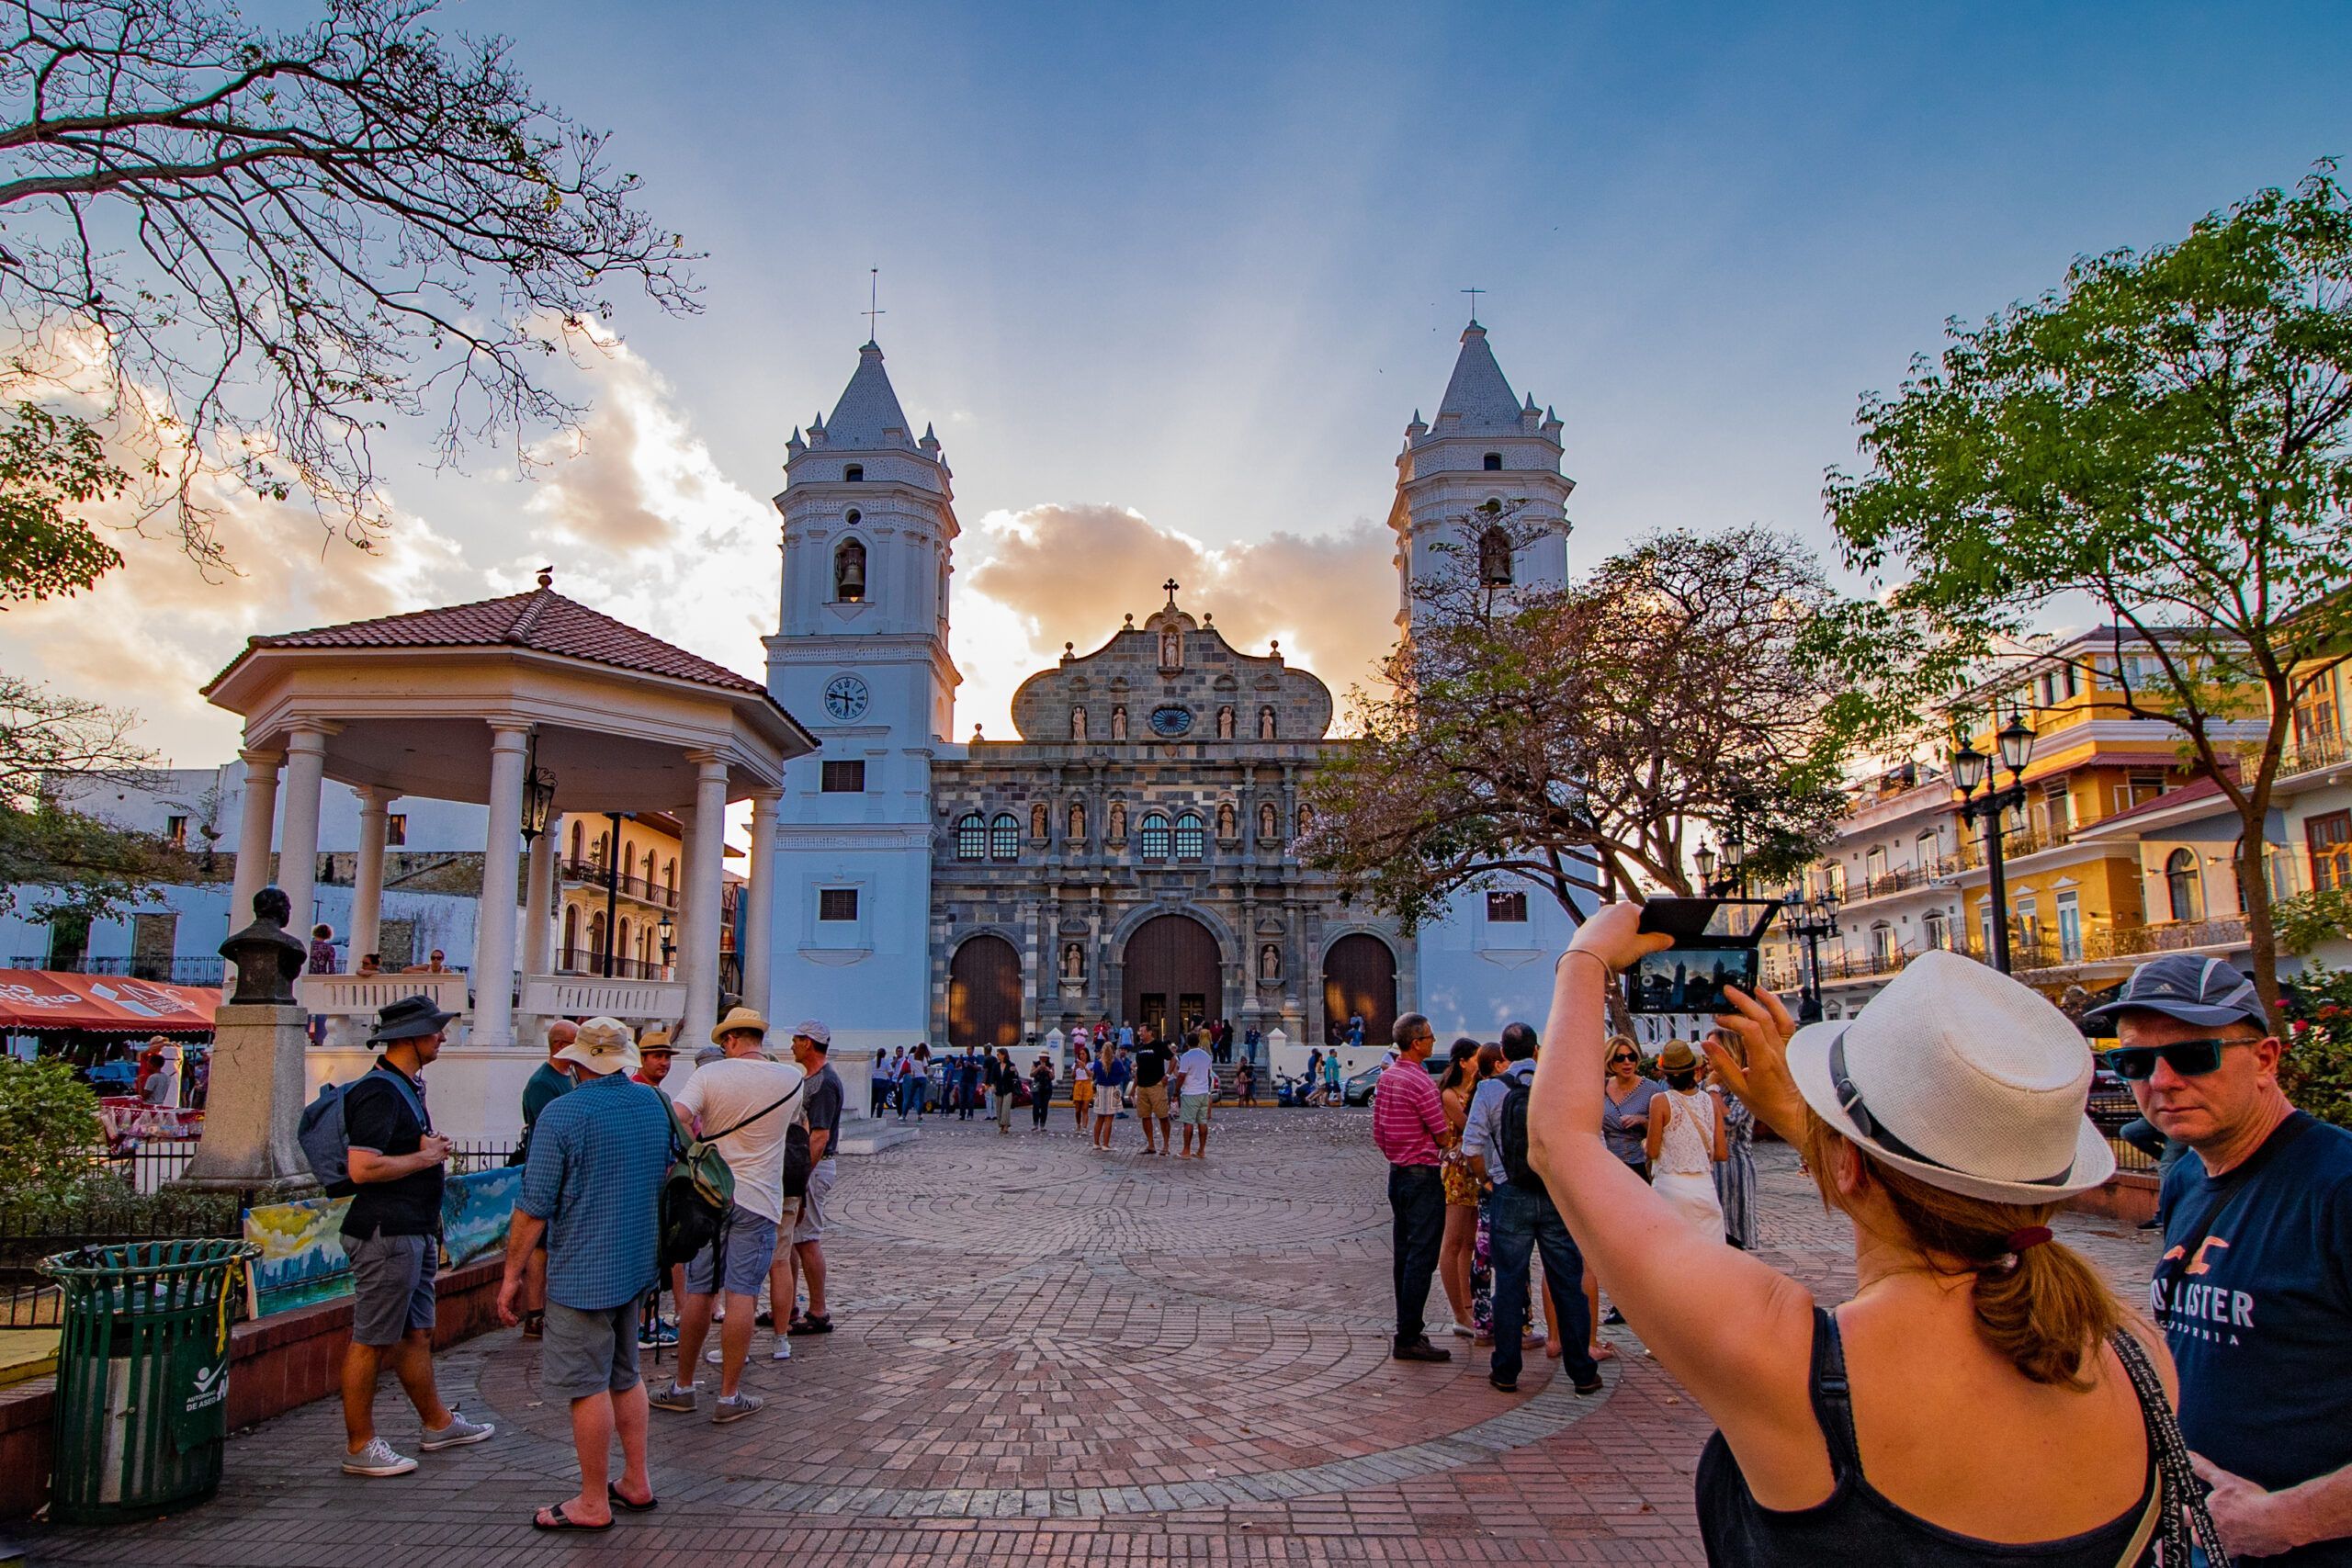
column 1408, row 1128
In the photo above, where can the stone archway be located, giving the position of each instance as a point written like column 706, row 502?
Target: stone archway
column 1359, row 981
column 984, row 995
column 1172, row 976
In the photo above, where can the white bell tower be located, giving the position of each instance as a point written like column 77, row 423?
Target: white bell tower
column 861, row 658
column 1484, row 446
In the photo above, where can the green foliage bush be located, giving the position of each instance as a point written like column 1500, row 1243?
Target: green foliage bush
column 49, row 1126
column 2316, row 1072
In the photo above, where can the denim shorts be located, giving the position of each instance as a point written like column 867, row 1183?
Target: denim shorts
column 589, row 1353
column 750, row 1241
column 391, row 1279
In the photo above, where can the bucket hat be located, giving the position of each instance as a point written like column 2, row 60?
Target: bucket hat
column 738, row 1021
column 604, row 1046
column 1960, row 1077
column 2203, row 991
column 411, row 1017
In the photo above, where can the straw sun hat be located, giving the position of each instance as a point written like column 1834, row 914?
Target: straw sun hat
column 1960, row 1077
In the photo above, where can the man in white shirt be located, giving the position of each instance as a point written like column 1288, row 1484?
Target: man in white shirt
column 1195, row 1086
column 747, row 1103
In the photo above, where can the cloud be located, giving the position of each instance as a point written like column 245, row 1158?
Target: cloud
column 1053, row 574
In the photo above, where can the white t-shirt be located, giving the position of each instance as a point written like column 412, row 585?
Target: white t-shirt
column 722, row 1094
column 1200, row 1073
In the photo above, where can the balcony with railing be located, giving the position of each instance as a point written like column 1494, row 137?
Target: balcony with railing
column 1902, row 879
column 644, row 890
column 2318, row 748
column 590, row 961
column 166, row 970
column 2016, row 844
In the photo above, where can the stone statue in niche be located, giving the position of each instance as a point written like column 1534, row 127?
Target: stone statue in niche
column 269, row 961
column 1269, row 963
column 1265, row 723
column 1078, row 724
column 1266, row 820
column 1073, row 962
column 1119, row 722
column 1171, row 649
column 1225, row 724
column 1118, row 819
column 1224, row 822
column 1078, row 821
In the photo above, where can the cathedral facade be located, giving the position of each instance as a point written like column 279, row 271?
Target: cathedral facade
column 1130, row 854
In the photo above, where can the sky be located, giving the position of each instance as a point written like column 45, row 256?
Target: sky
column 1171, row 280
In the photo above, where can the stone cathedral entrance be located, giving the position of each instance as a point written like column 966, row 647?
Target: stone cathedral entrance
column 1174, row 980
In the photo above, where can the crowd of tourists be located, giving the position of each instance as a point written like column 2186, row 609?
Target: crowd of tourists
column 1982, row 1396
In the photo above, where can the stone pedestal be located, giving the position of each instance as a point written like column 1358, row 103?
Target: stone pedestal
column 862, row 1133
column 254, row 1106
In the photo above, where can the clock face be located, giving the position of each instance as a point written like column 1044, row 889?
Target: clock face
column 845, row 698
column 1171, row 721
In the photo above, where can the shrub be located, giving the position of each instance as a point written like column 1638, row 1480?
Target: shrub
column 2316, row 1072
column 49, row 1125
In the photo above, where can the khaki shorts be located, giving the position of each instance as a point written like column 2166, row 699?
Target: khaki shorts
column 1152, row 1102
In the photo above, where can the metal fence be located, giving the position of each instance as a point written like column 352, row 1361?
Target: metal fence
column 2110, row 1109
column 27, row 1299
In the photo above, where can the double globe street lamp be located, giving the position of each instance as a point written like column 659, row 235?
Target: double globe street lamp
column 1813, row 919
column 1972, row 769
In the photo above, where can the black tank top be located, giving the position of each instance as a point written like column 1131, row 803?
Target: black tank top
column 1854, row 1525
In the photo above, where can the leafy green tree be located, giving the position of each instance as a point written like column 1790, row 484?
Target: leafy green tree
column 51, row 464
column 1580, row 739
column 2167, row 437
column 249, row 250
column 49, row 1130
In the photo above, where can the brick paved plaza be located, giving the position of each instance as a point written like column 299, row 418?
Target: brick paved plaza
column 1047, row 1355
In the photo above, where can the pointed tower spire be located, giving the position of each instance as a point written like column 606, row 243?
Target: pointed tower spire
column 1478, row 397
column 869, row 415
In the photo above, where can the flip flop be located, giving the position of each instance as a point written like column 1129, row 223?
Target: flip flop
column 625, row 1505
column 563, row 1521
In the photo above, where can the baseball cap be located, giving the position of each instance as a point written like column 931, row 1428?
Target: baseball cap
column 2204, row 991
column 809, row 1029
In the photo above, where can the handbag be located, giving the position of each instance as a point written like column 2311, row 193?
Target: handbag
column 2178, row 1515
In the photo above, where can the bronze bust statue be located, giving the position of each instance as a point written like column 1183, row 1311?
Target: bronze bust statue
column 267, row 960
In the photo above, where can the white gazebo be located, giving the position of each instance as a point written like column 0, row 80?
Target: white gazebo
column 532, row 704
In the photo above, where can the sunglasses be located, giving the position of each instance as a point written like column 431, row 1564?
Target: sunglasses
column 2189, row 1058
column 1621, row 1060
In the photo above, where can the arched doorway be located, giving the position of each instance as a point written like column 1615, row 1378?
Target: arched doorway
column 1359, row 981
column 1174, row 975
column 984, row 995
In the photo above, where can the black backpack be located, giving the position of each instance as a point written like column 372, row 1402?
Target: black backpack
column 1512, row 1137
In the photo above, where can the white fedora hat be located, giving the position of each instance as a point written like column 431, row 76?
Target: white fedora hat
column 1962, row 1077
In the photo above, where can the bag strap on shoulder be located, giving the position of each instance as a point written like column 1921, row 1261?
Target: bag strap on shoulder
column 2180, row 1498
column 757, row 1114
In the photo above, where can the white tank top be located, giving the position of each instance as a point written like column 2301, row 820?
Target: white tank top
column 1689, row 1145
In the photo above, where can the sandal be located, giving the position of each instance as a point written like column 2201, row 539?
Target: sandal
column 563, row 1521
column 811, row 1323
column 614, row 1491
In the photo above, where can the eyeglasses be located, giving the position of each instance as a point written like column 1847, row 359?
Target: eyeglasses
column 2189, row 1058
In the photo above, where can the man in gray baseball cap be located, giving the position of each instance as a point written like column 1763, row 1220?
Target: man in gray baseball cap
column 2254, row 1287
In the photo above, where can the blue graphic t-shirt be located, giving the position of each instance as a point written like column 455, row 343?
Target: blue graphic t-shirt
column 2254, row 1292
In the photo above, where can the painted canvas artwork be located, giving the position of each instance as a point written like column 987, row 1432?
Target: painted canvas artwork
column 301, row 1257
column 475, row 1210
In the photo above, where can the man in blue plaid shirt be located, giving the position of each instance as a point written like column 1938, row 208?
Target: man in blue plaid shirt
column 592, row 1189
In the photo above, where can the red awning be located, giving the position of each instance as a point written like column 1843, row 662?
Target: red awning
column 113, row 1004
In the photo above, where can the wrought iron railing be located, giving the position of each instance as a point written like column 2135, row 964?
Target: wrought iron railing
column 197, row 971
column 644, row 890
column 588, row 961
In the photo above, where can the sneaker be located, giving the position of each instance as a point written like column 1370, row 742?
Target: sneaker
column 783, row 1352
column 1612, row 1318
column 377, row 1458
column 1466, row 1330
column 456, row 1434
column 1419, row 1350
column 676, row 1398
column 656, row 1335
column 725, row 1410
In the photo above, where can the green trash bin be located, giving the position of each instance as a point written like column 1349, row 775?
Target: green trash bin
column 142, row 1377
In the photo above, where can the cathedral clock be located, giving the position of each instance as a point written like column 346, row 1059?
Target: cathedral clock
column 845, row 698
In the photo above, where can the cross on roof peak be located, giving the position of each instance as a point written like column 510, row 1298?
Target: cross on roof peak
column 1171, row 585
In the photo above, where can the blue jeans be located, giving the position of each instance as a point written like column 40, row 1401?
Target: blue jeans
column 1518, row 1222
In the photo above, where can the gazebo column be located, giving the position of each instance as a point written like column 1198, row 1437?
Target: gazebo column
column 706, row 869
column 493, row 973
column 759, row 913
column 298, row 835
column 255, row 821
column 538, row 904
column 367, row 882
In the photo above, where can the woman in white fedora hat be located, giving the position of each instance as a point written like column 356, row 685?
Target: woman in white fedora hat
column 1983, row 1397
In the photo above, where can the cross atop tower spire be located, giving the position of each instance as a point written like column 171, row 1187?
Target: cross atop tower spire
column 874, row 311
column 1473, row 294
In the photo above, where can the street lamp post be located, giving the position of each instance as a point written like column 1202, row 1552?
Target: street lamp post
column 1812, row 921
column 668, row 929
column 1971, row 768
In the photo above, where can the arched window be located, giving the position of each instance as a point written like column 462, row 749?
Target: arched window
column 849, row 573
column 628, row 865
column 1226, row 822
column 1267, row 827
column 1077, row 822
column 1938, row 930
column 597, row 937
column 1928, row 850
column 854, row 473
column 1266, row 724
column 1874, row 868
column 1494, row 559
column 1038, row 817
column 1155, row 835
column 1225, row 723
column 572, row 921
column 579, row 831
column 1191, row 839
column 1004, row 837
column 1118, row 819
column 1492, row 463
column 604, row 856
column 972, row 837
column 629, row 933
column 1119, row 722
column 1078, row 724
column 2186, row 887
column 670, row 878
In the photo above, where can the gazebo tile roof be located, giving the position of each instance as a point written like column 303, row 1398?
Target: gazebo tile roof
column 542, row 621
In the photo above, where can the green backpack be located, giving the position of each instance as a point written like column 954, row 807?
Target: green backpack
column 698, row 1190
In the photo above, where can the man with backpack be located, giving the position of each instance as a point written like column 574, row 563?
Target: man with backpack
column 1522, row 1217
column 592, row 1190
column 742, row 1103
column 392, row 1235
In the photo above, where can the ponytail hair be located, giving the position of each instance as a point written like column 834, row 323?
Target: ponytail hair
column 2044, row 1307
